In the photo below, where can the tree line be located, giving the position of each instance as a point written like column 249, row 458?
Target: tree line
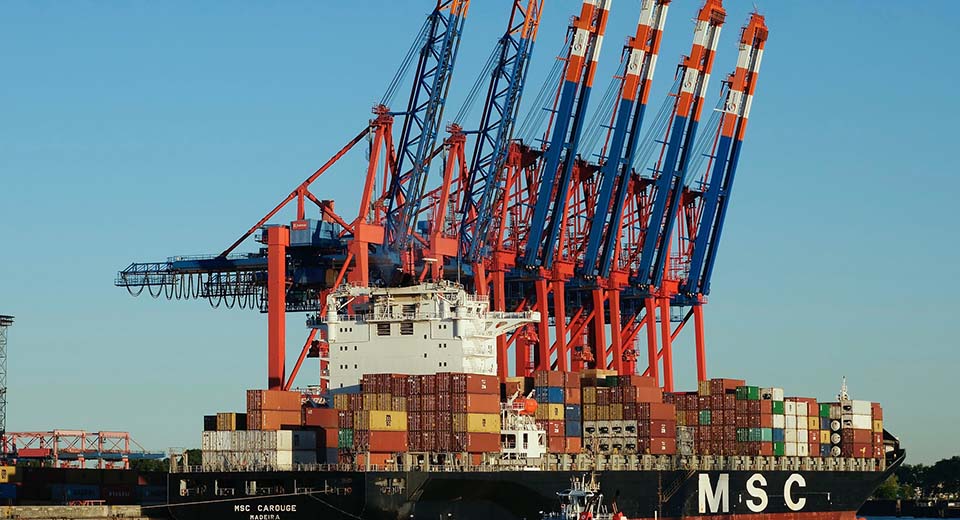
column 921, row 480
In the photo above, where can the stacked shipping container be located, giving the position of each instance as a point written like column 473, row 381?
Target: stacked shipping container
column 559, row 413
column 626, row 414
column 445, row 412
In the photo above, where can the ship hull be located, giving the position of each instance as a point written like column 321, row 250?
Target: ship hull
column 504, row 495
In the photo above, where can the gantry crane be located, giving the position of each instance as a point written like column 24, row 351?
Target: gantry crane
column 593, row 246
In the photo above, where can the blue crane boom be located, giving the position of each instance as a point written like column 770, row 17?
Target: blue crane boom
column 695, row 71
column 716, row 198
column 584, row 51
column 496, row 126
column 423, row 118
column 639, row 55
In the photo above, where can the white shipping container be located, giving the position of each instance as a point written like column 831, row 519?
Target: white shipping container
column 779, row 421
column 790, row 449
column 856, row 407
column 790, row 408
column 802, row 409
column 803, row 450
column 791, row 422
column 771, row 394
column 790, row 435
column 859, row 422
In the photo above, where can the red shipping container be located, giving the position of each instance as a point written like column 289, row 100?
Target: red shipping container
column 663, row 412
column 852, row 436
column 663, row 428
column 877, row 439
column 475, row 403
column 629, row 411
column 571, row 395
column 878, row 452
column 730, row 402
column 876, row 411
column 33, row 452
column 573, row 445
column 721, row 386
column 327, row 438
column 323, row 417
column 476, row 442
column 704, row 403
column 428, row 441
column 388, row 442
column 646, row 394
column 428, row 385
column 766, row 420
column 571, row 380
column 481, row 384
column 663, row 446
column 556, row 444
column 766, row 449
column 766, row 407
column 616, row 394
column 444, row 401
column 429, row 403
column 637, row 381
column 555, row 429
column 552, row 378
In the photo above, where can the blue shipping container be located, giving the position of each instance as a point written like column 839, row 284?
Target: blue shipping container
column 573, row 429
column 8, row 491
column 555, row 395
column 824, row 450
column 778, row 435
column 571, row 412
column 331, row 456
column 68, row 492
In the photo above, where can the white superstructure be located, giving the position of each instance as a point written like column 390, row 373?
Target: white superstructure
column 422, row 329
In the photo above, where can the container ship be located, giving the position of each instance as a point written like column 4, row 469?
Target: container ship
column 555, row 247
column 423, row 442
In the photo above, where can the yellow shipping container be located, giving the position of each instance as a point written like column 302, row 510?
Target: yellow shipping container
column 555, row 412
column 387, row 421
column 341, row 401
column 399, row 404
column 813, row 423
column 384, row 402
column 878, row 426
column 542, row 413
column 603, row 413
column 824, row 436
column 226, row 421
column 483, row 423
column 589, row 412
column 369, row 401
column 616, row 412
column 589, row 395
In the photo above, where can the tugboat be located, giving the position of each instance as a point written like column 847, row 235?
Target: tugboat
column 583, row 501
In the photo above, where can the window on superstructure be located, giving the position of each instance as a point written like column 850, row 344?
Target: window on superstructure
column 406, row 328
column 409, row 310
column 383, row 329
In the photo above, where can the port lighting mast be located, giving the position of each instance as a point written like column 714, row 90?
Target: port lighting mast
column 5, row 323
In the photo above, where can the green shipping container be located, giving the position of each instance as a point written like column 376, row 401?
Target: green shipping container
column 345, row 438
column 766, row 434
column 778, row 407
column 743, row 434
column 824, row 410
column 705, row 417
column 748, row 393
column 778, row 449
column 755, row 435
column 611, row 381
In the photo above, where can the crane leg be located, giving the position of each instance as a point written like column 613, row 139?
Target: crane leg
column 701, row 347
column 278, row 238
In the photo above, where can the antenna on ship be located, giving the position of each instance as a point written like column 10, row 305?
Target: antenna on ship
column 844, row 396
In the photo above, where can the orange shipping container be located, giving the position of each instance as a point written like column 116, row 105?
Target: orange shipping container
column 573, row 445
column 388, row 442
column 272, row 400
column 477, row 403
column 323, row 417
column 476, row 442
column 374, row 459
column 272, row 420
column 663, row 412
column 556, row 444
column 663, row 446
column 646, row 394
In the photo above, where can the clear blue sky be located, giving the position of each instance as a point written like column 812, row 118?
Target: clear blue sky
column 140, row 130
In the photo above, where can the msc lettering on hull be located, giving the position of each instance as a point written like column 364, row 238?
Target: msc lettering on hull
column 716, row 498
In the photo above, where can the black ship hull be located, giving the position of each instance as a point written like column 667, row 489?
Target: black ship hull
column 504, row 495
